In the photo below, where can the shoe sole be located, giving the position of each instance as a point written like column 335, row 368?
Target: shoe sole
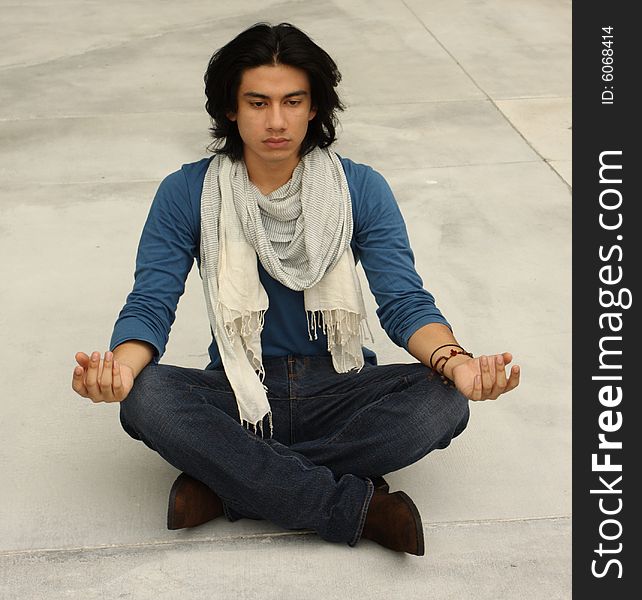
column 419, row 528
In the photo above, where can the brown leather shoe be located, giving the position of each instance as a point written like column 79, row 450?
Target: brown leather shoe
column 191, row 503
column 393, row 521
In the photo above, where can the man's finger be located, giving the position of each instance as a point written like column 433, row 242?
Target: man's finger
column 486, row 377
column 77, row 382
column 513, row 380
column 117, row 384
column 105, row 380
column 477, row 388
column 500, row 375
column 82, row 359
column 92, row 376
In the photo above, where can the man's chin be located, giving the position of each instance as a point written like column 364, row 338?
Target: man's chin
column 279, row 155
column 276, row 158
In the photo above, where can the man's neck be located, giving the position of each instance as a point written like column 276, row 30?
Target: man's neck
column 268, row 177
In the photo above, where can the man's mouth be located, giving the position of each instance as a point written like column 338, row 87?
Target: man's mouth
column 276, row 142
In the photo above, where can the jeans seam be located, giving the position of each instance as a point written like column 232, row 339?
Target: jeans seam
column 354, row 419
column 191, row 388
column 364, row 512
column 292, row 416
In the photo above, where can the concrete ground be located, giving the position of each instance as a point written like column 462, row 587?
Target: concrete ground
column 465, row 107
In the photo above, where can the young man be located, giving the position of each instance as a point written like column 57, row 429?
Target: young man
column 292, row 420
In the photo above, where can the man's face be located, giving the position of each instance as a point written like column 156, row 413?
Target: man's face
column 274, row 108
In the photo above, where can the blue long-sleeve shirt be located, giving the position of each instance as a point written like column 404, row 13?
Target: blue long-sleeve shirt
column 170, row 241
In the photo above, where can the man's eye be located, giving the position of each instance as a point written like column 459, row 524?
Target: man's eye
column 294, row 102
column 258, row 104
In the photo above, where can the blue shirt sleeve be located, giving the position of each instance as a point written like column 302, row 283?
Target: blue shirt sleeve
column 166, row 251
column 382, row 245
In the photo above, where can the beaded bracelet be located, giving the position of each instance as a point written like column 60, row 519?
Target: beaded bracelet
column 453, row 353
column 440, row 347
column 436, row 367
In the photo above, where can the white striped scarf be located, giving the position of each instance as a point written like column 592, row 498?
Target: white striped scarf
column 301, row 233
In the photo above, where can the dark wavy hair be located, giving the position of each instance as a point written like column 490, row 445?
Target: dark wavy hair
column 265, row 44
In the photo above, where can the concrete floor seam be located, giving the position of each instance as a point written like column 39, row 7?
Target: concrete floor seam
column 103, row 114
column 259, row 536
column 473, row 80
column 458, row 165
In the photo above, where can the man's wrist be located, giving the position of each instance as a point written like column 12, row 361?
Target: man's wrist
column 135, row 354
column 453, row 362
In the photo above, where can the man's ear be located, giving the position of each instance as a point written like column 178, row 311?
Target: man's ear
column 313, row 113
column 231, row 116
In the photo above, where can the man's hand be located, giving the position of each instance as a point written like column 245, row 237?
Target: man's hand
column 484, row 377
column 102, row 381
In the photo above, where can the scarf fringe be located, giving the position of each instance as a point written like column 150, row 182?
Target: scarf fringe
column 345, row 331
column 245, row 325
column 257, row 428
column 338, row 320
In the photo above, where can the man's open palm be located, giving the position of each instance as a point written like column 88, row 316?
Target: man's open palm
column 102, row 380
column 484, row 377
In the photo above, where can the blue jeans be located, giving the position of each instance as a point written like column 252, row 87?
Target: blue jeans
column 333, row 432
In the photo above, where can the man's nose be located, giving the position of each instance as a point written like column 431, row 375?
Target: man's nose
column 275, row 118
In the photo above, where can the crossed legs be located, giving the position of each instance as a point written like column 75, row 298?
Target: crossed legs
column 331, row 433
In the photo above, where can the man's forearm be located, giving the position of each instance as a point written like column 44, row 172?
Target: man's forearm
column 427, row 339
column 136, row 354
